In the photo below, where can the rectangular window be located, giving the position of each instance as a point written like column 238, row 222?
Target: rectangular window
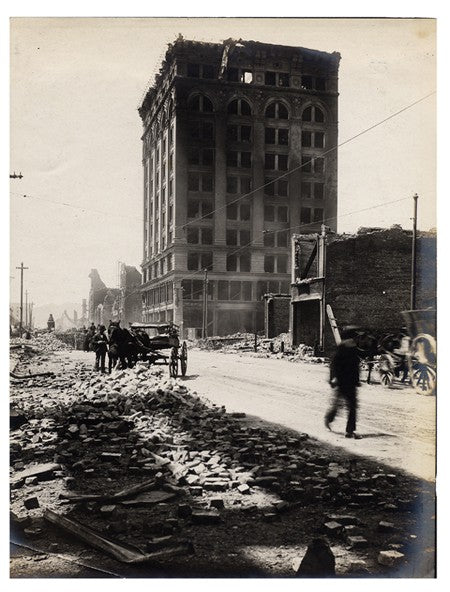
column 193, row 208
column 282, row 238
column 269, row 187
column 246, row 133
column 318, row 190
column 244, row 237
column 270, row 135
column 246, row 159
column 232, row 133
column 283, row 137
column 319, row 165
column 207, row 183
column 232, row 184
column 269, row 264
column 318, row 214
column 207, row 236
column 232, row 159
column 270, row 78
column 232, row 212
column 282, row 162
column 283, row 187
column 246, row 291
column 193, row 182
column 319, row 139
column 306, row 164
column 269, row 238
column 235, row 290
column 222, row 290
column 305, row 189
column 307, row 82
column 282, row 264
column 245, row 262
column 246, row 184
column 231, row 263
column 283, row 212
column 245, row 211
column 283, row 79
column 231, row 237
column 305, row 215
column 306, row 139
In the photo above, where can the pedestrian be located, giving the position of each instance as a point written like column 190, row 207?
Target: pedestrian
column 100, row 346
column 344, row 378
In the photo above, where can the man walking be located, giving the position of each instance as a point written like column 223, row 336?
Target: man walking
column 100, row 346
column 344, row 376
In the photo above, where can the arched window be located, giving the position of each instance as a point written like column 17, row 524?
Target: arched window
column 277, row 110
column 313, row 113
column 239, row 107
column 200, row 103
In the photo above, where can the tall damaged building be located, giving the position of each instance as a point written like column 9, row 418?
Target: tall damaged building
column 238, row 153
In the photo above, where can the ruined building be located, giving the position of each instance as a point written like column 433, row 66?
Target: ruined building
column 237, row 154
column 123, row 303
column 365, row 278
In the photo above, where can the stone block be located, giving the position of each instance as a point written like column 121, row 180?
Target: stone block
column 390, row 558
column 217, row 502
column 243, row 488
column 210, row 516
column 357, row 542
column 31, row 503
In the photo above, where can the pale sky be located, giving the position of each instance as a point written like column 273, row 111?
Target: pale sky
column 75, row 132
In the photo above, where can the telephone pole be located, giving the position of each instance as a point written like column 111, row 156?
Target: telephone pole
column 26, row 309
column 414, row 255
column 205, row 306
column 21, row 296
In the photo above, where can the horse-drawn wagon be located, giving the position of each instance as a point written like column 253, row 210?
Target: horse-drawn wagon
column 154, row 337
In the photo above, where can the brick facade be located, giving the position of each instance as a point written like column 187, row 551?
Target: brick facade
column 368, row 280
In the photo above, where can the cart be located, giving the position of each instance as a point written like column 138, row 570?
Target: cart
column 421, row 327
column 154, row 337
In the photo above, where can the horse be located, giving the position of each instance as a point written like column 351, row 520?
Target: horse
column 118, row 350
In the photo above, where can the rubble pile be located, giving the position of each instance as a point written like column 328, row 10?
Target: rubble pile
column 189, row 465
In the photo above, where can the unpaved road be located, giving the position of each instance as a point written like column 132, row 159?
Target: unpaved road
column 397, row 424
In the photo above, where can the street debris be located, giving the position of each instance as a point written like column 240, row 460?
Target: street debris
column 122, row 552
column 139, row 456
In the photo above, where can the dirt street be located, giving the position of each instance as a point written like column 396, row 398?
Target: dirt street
column 397, row 424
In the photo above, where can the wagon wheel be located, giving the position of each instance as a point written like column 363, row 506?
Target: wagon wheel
column 422, row 364
column 183, row 359
column 173, row 362
column 386, row 370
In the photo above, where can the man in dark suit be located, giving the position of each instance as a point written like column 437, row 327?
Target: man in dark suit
column 344, row 377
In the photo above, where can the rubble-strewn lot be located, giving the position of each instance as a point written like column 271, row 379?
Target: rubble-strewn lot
column 140, row 459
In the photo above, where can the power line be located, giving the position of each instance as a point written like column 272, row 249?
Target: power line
column 248, row 194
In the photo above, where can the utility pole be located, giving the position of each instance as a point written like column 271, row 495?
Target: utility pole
column 205, row 306
column 414, row 255
column 26, row 309
column 30, row 320
column 21, row 296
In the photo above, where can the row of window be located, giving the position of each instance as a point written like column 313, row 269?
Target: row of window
column 239, row 262
column 245, row 76
column 241, row 237
column 158, row 268
column 233, row 290
column 198, row 208
column 275, row 110
column 159, row 295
